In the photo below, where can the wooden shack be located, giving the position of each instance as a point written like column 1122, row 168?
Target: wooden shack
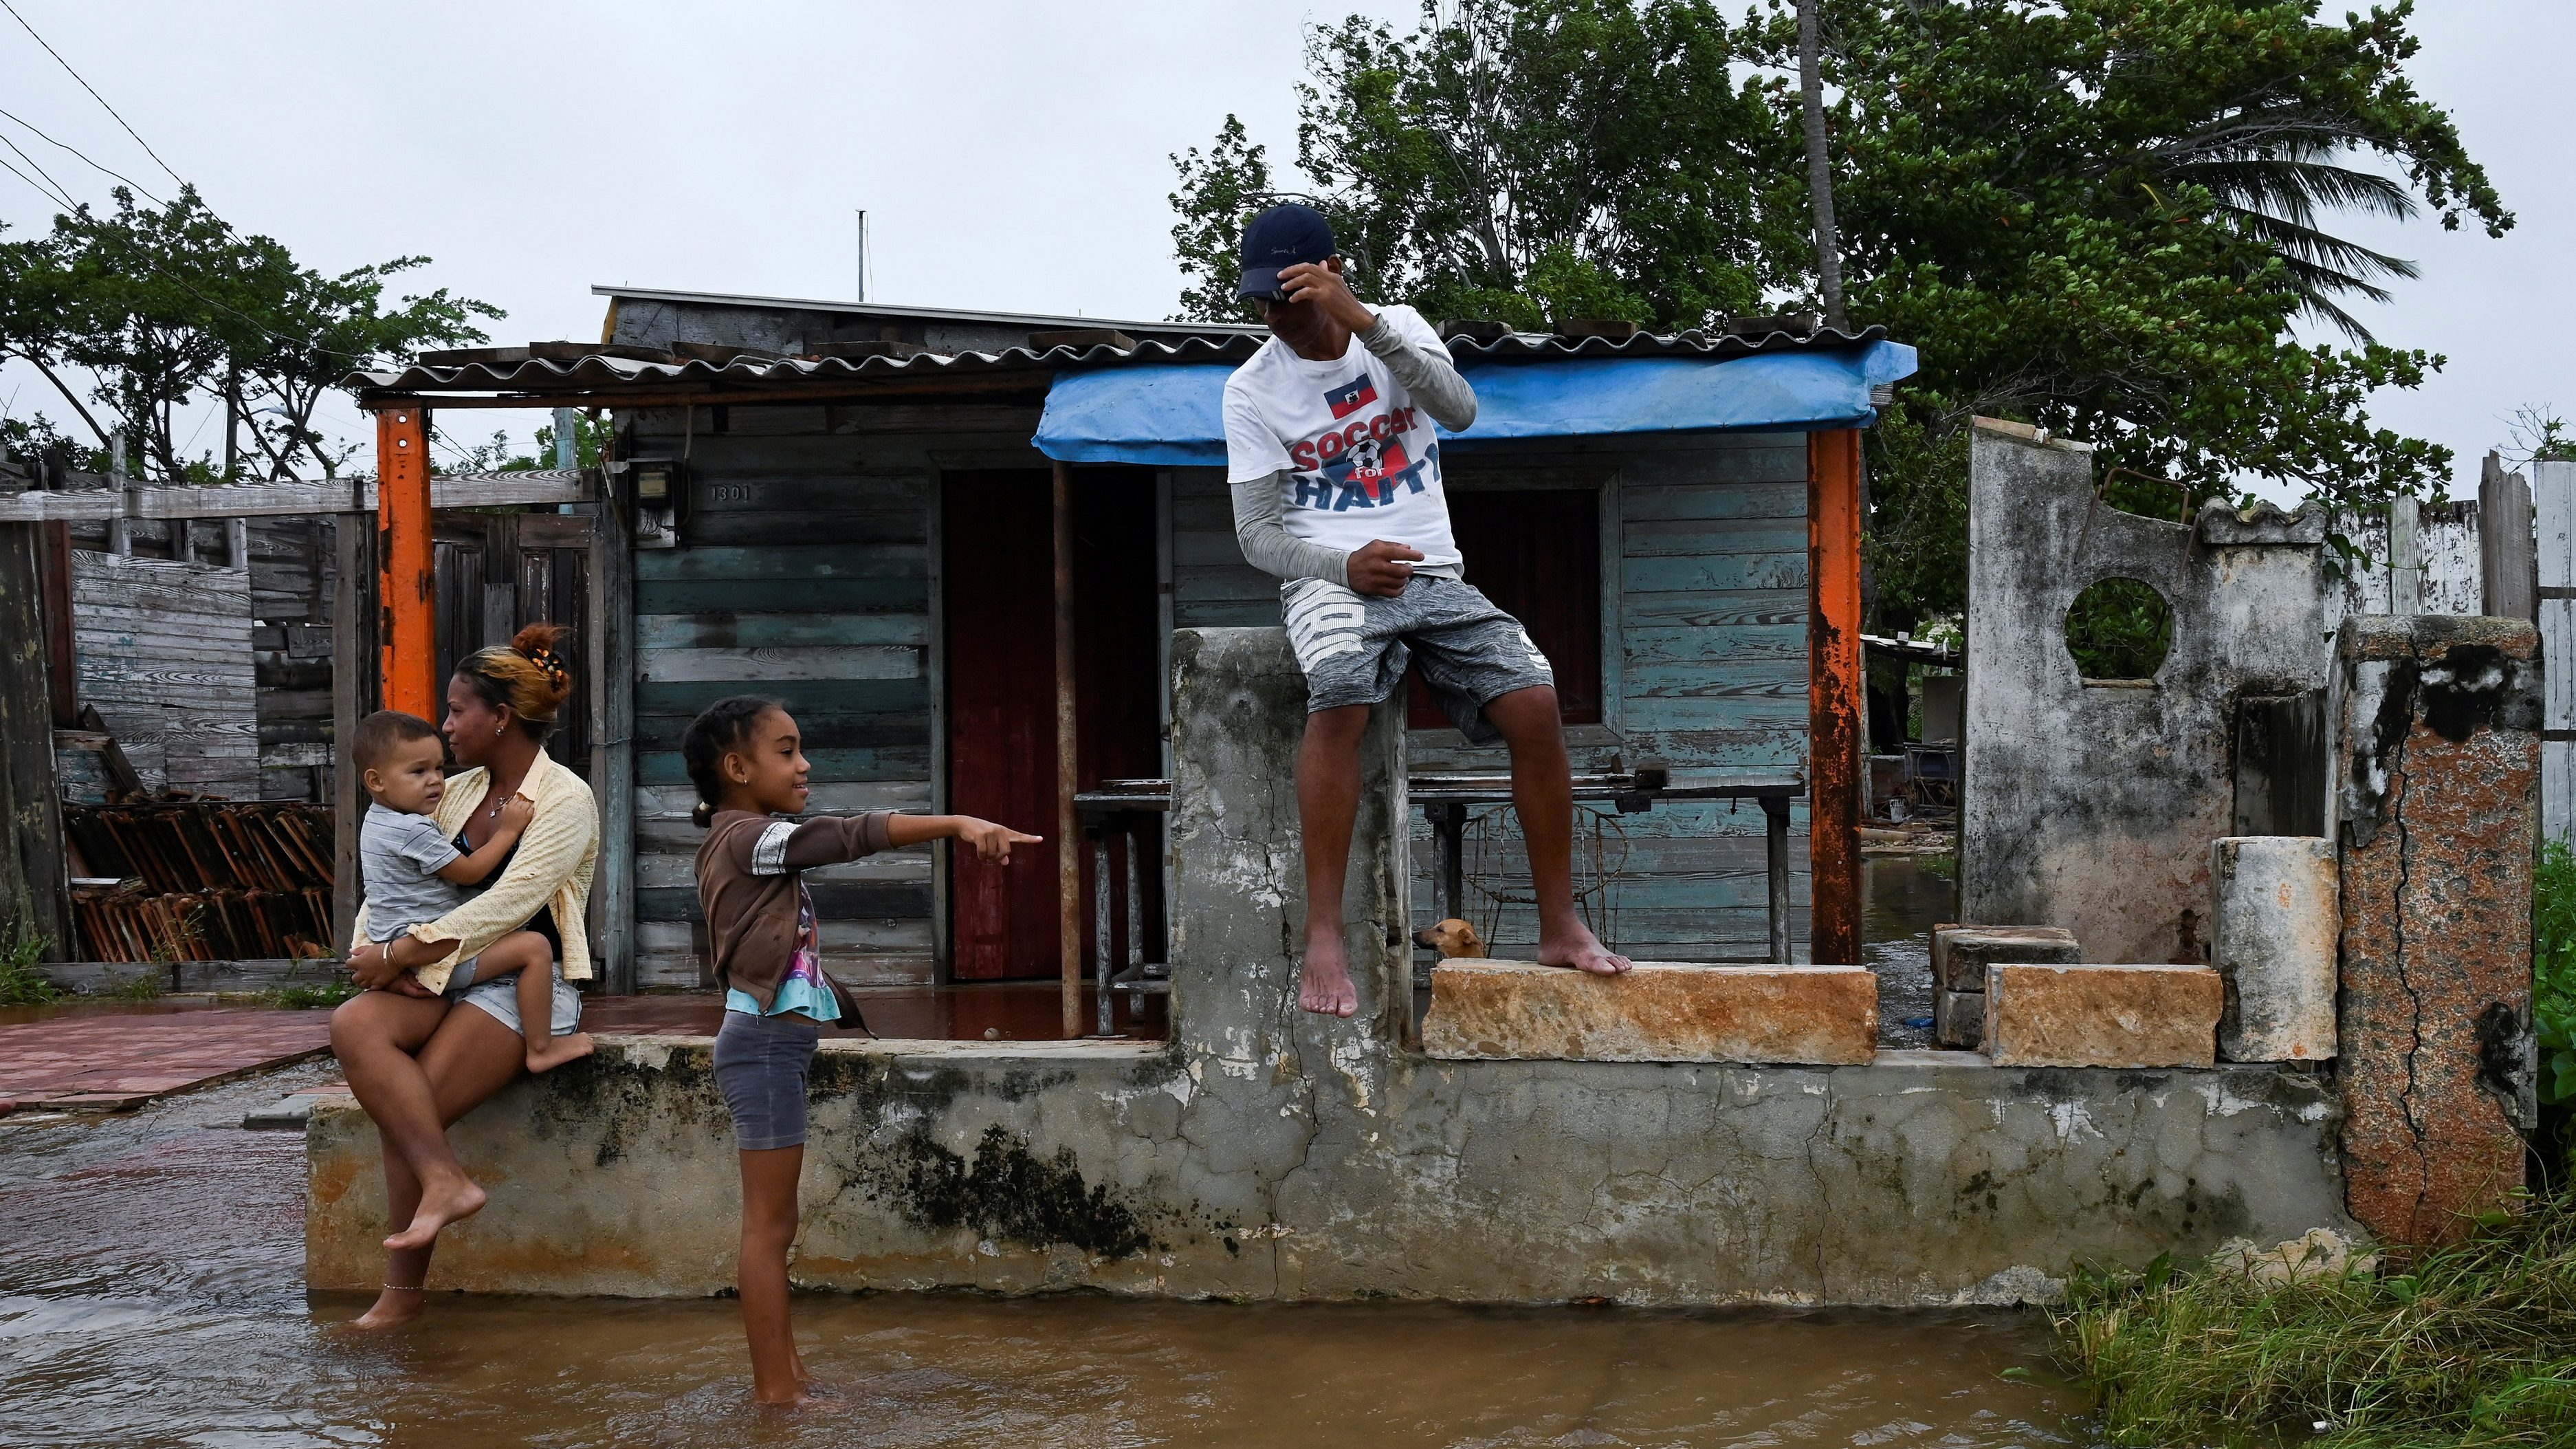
column 846, row 506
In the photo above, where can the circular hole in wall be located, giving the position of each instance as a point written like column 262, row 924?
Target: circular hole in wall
column 2119, row 629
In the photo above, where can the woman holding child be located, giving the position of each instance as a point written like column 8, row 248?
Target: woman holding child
column 414, row 1061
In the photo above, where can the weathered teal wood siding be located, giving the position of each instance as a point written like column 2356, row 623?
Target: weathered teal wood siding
column 806, row 575
column 1705, row 565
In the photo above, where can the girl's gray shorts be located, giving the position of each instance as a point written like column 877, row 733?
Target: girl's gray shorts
column 761, row 1066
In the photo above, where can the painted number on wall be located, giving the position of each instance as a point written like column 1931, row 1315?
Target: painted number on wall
column 731, row 493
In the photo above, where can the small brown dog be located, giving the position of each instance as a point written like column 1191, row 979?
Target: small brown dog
column 1453, row 939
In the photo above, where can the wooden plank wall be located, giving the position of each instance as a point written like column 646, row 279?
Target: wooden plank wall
column 806, row 575
column 292, row 575
column 2553, row 499
column 165, row 655
column 1705, row 547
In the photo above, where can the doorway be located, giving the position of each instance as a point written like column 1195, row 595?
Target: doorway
column 998, row 578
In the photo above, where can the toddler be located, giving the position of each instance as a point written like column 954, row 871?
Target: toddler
column 415, row 874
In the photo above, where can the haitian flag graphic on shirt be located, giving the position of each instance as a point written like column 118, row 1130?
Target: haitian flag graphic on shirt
column 1351, row 396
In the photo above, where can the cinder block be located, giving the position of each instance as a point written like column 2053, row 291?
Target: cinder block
column 1961, row 954
column 1959, row 1019
column 2273, row 944
column 1656, row 1012
column 2102, row 1016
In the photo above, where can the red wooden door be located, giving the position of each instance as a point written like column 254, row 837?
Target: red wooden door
column 998, row 576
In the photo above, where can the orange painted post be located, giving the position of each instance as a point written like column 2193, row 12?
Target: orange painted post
column 406, row 584
column 1836, row 704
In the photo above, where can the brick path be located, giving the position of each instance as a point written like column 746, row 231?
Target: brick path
column 113, row 1060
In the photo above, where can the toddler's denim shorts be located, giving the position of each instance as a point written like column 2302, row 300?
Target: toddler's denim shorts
column 761, row 1066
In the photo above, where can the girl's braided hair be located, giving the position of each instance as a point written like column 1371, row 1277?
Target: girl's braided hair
column 720, row 729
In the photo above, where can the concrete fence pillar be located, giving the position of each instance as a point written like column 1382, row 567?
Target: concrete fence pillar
column 2436, row 797
column 1238, row 882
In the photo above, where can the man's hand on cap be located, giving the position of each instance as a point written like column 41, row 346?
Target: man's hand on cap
column 1318, row 283
column 1380, row 567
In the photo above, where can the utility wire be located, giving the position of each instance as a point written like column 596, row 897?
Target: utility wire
column 58, row 194
column 93, row 91
column 76, row 151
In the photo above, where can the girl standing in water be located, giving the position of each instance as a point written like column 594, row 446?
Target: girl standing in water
column 745, row 758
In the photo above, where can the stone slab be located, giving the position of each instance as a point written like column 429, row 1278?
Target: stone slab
column 1961, row 954
column 2272, row 942
column 2436, row 723
column 1657, row 1012
column 1959, row 1018
column 2102, row 1016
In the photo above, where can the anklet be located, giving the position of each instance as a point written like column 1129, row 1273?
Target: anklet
column 403, row 1287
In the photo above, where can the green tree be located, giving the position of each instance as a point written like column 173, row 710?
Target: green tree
column 1525, row 160
column 160, row 306
column 2104, row 217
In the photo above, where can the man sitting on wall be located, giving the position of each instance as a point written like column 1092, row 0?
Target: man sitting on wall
column 1336, row 477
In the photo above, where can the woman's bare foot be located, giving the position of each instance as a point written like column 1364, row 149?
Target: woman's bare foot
column 440, row 1204
column 1577, row 947
column 547, row 1053
column 393, row 1308
column 1324, row 982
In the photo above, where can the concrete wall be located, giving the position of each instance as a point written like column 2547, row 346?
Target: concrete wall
column 1266, row 1153
column 2092, row 804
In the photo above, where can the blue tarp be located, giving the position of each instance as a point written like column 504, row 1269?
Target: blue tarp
column 1172, row 414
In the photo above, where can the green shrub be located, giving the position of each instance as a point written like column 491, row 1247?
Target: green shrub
column 2553, row 971
column 21, row 983
column 318, row 996
column 144, row 985
column 2471, row 1345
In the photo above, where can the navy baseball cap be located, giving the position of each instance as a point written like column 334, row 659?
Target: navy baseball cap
column 1281, row 237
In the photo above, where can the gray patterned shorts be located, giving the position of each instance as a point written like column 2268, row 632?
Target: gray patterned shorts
column 1354, row 647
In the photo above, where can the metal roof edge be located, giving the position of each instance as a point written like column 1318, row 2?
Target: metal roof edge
column 935, row 314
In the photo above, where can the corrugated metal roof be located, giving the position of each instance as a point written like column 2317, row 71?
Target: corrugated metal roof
column 612, row 368
column 894, row 313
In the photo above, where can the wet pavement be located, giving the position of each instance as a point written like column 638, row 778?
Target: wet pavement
column 1903, row 898
column 111, row 1056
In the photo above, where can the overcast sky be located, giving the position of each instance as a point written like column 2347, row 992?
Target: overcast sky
column 1011, row 156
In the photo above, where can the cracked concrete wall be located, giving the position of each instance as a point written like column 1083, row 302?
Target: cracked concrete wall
column 1264, row 1153
column 2089, row 804
column 2437, row 800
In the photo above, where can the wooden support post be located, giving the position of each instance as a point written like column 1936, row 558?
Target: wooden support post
column 612, row 751
column 34, row 886
column 406, row 583
column 354, row 662
column 1068, row 844
column 1837, row 695
column 62, row 663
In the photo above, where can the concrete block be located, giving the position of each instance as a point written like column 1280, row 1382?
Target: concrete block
column 1657, row 1012
column 2272, row 941
column 2436, row 726
column 1959, row 1018
column 2102, row 1016
column 1961, row 954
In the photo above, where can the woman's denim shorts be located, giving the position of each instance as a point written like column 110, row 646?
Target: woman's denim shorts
column 761, row 1065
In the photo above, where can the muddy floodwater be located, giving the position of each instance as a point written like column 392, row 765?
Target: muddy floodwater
column 151, row 1293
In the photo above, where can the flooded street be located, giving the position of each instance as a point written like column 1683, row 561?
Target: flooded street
column 151, row 1294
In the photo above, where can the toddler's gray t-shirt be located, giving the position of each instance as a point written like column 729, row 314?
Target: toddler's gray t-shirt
column 401, row 856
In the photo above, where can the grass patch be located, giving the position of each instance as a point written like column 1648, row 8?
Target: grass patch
column 21, row 983
column 2470, row 1345
column 146, row 985
column 318, row 996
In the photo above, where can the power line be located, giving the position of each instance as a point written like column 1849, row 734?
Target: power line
column 93, row 91
column 76, row 151
column 58, row 194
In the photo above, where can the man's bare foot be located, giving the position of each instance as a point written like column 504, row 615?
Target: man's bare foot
column 439, row 1206
column 1579, row 948
column 547, row 1053
column 393, row 1308
column 1324, row 982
